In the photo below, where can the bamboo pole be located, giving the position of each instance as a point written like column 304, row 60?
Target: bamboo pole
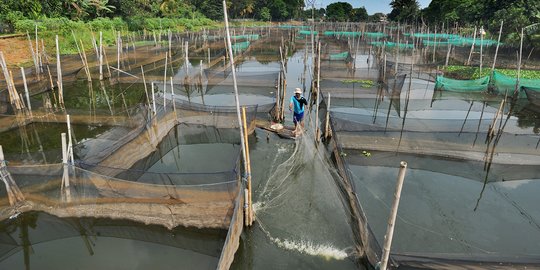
column 27, row 94
column 85, row 62
column 472, row 48
column 118, row 50
column 165, row 82
column 237, row 101
column 153, row 98
column 100, row 56
column 393, row 214
column 65, row 176
column 70, row 140
column 327, row 127
column 481, row 46
column 172, row 96
column 248, row 173
column 34, row 54
column 59, row 74
column 317, row 130
column 497, row 48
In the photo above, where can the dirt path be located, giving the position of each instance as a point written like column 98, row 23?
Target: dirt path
column 15, row 50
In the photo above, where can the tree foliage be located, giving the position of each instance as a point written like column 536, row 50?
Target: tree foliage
column 404, row 10
column 516, row 14
column 339, row 11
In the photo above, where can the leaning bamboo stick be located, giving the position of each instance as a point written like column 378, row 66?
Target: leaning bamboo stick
column 393, row 214
column 59, row 74
column 497, row 49
column 27, row 94
column 248, row 172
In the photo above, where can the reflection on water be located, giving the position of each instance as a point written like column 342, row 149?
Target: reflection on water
column 41, row 241
column 436, row 213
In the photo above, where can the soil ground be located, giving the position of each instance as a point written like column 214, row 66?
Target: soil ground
column 16, row 51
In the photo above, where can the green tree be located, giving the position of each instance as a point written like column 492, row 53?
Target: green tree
column 360, row 14
column 339, row 11
column 404, row 10
column 264, row 14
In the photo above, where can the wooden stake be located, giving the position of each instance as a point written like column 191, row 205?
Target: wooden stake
column 472, row 48
column 172, row 97
column 393, row 214
column 70, row 140
column 497, row 49
column 153, row 98
column 233, row 71
column 145, row 87
column 165, row 83
column 327, row 126
column 59, row 74
column 100, row 56
column 28, row 105
column 248, row 172
column 65, row 177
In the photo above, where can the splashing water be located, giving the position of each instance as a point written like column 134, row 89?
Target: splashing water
column 326, row 251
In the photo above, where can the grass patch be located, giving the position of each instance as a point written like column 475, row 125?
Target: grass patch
column 472, row 73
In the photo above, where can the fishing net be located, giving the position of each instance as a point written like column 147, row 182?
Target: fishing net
column 339, row 56
column 373, row 35
column 506, row 84
column 307, row 32
column 392, row 45
column 433, row 35
column 478, row 85
column 342, row 34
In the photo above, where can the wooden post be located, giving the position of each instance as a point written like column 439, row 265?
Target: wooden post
column 327, row 126
column 165, row 83
column 233, row 71
column 70, row 140
column 392, row 218
column 472, row 48
column 65, row 176
column 317, row 130
column 153, row 98
column 481, row 46
column 59, row 74
column 172, row 97
column 497, row 49
column 85, row 62
column 248, row 172
column 100, row 56
column 118, row 50
column 28, row 105
column 186, row 52
column 208, row 56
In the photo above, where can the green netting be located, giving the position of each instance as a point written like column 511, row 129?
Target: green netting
column 436, row 43
column 533, row 94
column 433, row 35
column 392, row 45
column 342, row 34
column 339, row 56
column 293, row 26
column 240, row 46
column 248, row 37
column 307, row 32
column 478, row 85
column 504, row 84
column 470, row 41
column 375, row 35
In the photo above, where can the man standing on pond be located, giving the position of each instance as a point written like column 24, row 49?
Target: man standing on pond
column 297, row 103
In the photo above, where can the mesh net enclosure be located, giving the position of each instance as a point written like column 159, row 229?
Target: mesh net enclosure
column 478, row 85
column 506, row 84
column 307, row 32
column 471, row 157
column 392, row 45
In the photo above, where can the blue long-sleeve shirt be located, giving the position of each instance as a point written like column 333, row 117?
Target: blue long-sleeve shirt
column 298, row 104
